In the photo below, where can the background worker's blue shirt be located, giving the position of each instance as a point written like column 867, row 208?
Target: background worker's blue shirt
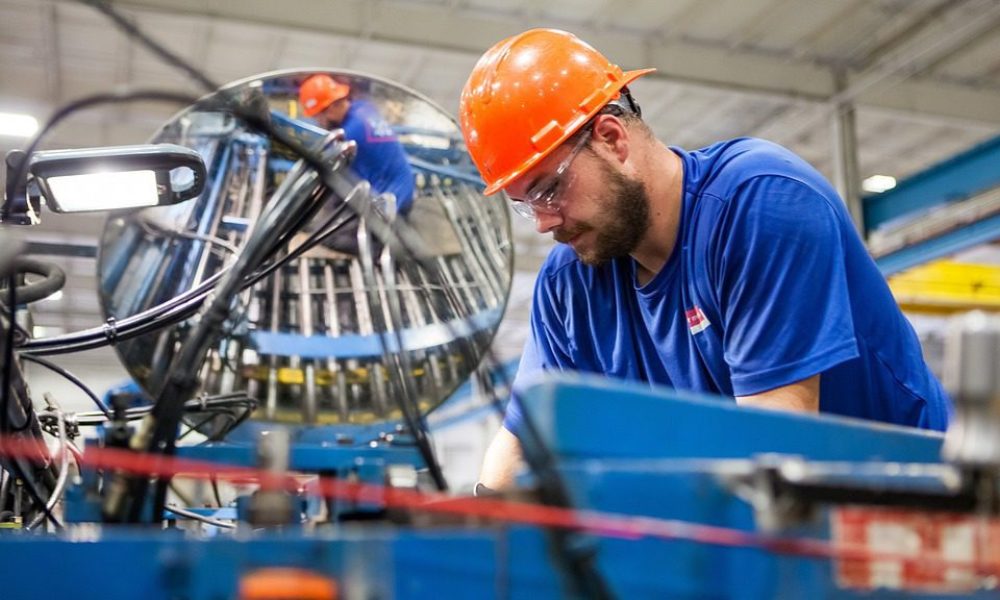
column 768, row 284
column 380, row 159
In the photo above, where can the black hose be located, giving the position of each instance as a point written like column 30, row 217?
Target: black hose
column 169, row 312
column 72, row 378
column 8, row 354
column 53, row 280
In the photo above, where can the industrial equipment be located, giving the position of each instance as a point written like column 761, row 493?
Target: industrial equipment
column 309, row 342
column 306, row 369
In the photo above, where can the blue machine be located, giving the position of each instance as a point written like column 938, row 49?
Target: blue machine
column 622, row 450
column 942, row 210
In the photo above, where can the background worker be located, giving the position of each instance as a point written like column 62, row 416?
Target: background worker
column 380, row 159
column 732, row 270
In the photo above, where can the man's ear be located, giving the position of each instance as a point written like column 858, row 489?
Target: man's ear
column 612, row 137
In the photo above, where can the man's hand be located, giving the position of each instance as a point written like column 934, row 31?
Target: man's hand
column 801, row 396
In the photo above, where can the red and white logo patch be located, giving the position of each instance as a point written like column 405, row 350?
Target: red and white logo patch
column 697, row 321
column 934, row 553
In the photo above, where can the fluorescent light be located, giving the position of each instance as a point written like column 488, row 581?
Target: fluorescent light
column 104, row 191
column 877, row 184
column 18, row 125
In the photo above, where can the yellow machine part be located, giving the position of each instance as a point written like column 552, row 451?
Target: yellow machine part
column 946, row 286
column 358, row 375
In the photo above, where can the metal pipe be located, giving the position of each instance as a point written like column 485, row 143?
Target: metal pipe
column 271, row 402
column 63, row 467
column 338, row 380
column 310, row 408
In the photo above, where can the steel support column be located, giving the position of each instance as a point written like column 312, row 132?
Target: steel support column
column 845, row 155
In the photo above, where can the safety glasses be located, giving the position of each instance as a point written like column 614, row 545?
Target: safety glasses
column 544, row 196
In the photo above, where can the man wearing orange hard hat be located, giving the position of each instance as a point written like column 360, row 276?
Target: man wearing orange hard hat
column 732, row 270
column 380, row 159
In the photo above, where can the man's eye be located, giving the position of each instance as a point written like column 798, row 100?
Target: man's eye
column 538, row 192
column 547, row 193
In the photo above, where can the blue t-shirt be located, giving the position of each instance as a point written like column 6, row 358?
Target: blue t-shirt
column 380, row 159
column 768, row 284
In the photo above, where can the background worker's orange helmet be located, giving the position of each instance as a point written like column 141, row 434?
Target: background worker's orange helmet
column 528, row 94
column 320, row 91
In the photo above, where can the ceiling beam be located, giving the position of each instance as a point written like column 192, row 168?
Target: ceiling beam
column 276, row 50
column 917, row 23
column 50, row 35
column 468, row 31
column 890, row 80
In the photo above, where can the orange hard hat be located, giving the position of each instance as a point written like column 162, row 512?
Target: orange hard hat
column 320, row 91
column 528, row 94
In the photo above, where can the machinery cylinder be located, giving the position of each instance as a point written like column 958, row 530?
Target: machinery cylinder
column 322, row 339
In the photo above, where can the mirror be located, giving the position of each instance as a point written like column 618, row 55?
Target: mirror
column 329, row 337
column 112, row 178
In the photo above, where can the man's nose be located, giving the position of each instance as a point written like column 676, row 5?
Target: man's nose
column 547, row 221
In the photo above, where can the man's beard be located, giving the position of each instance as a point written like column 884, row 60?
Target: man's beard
column 621, row 223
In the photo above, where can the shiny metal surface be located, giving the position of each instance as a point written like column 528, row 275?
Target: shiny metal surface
column 972, row 378
column 331, row 336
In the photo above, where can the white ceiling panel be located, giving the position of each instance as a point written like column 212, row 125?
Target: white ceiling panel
column 980, row 61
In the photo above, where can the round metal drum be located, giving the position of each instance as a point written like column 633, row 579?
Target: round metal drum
column 330, row 336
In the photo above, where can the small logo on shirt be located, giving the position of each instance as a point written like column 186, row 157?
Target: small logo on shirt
column 697, row 321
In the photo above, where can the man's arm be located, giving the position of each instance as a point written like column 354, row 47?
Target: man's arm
column 801, row 396
column 502, row 461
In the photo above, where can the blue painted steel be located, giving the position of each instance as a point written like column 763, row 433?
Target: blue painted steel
column 280, row 165
column 156, row 565
column 213, row 203
column 238, row 224
column 635, row 420
column 957, row 178
column 445, row 171
column 309, row 458
column 308, row 133
column 356, row 436
column 602, row 431
column 227, row 512
column 947, row 244
column 597, row 429
column 356, row 346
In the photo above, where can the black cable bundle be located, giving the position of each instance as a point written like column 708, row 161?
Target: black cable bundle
column 17, row 417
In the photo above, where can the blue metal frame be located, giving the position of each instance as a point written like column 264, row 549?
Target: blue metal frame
column 947, row 244
column 356, row 346
column 957, row 178
column 661, row 422
column 598, row 430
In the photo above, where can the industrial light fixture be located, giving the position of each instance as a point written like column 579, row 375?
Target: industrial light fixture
column 75, row 193
column 100, row 179
column 18, row 125
column 876, row 184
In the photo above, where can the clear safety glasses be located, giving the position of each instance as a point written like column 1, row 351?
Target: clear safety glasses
column 544, row 196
